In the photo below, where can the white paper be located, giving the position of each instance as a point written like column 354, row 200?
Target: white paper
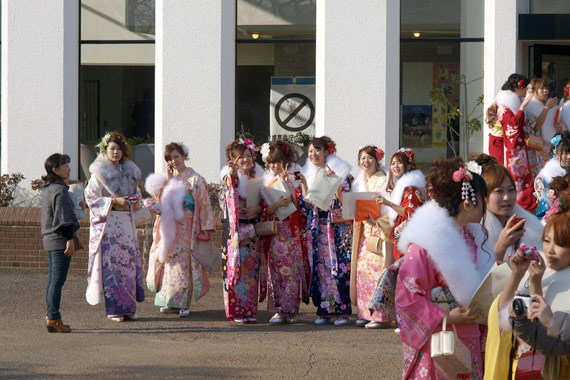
column 253, row 191
column 76, row 194
column 489, row 289
column 322, row 190
column 349, row 203
column 276, row 191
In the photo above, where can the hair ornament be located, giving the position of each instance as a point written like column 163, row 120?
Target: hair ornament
column 474, row 167
column 465, row 176
column 555, row 141
column 102, row 146
column 330, row 147
column 567, row 90
column 411, row 157
column 559, row 206
column 248, row 143
column 264, row 151
column 521, row 84
column 184, row 148
column 379, row 153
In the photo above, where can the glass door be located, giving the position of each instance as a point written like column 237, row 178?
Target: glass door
column 553, row 63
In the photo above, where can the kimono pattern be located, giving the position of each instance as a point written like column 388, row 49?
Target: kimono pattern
column 536, row 158
column 367, row 267
column 544, row 195
column 182, row 277
column 114, row 272
column 242, row 260
column 329, row 247
column 516, row 155
column 418, row 294
column 412, row 199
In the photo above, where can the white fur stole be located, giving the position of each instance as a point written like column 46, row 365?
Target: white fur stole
column 119, row 182
column 360, row 184
column 154, row 183
column 434, row 230
column 172, row 211
column 508, row 99
column 340, row 167
column 535, row 108
column 413, row 178
column 242, row 178
column 550, row 170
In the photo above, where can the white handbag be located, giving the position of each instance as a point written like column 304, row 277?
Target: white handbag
column 449, row 353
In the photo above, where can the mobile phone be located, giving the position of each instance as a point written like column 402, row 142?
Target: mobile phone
column 518, row 220
column 297, row 174
column 132, row 199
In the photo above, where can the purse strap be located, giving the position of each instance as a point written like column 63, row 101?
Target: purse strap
column 444, row 324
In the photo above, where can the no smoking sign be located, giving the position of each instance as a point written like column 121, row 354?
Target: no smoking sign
column 294, row 112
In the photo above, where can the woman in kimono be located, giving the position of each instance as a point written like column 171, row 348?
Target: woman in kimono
column 284, row 250
column 328, row 239
column 112, row 195
column 366, row 266
column 558, row 166
column 185, row 215
column 241, row 253
column 540, row 114
column 511, row 115
column 403, row 194
column 496, row 145
column 439, row 275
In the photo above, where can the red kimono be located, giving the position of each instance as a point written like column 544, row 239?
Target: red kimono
column 411, row 200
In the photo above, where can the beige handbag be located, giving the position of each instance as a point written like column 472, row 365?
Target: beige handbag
column 449, row 353
column 270, row 227
column 208, row 255
column 374, row 244
column 142, row 216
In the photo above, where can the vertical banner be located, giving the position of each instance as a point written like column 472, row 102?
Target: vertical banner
column 292, row 107
column 439, row 128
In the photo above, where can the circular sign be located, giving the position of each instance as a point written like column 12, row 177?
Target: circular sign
column 292, row 112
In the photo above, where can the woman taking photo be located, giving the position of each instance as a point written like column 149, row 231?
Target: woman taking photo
column 284, row 249
column 367, row 266
column 511, row 115
column 328, row 243
column 242, row 258
column 185, row 214
column 403, row 194
column 437, row 244
column 114, row 273
column 59, row 228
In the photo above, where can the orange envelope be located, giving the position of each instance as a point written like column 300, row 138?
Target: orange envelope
column 363, row 207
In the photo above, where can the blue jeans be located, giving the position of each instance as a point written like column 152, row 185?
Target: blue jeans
column 58, row 266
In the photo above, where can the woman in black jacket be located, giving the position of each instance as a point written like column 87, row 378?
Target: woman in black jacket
column 59, row 226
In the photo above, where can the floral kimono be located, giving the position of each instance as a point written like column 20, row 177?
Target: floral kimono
column 114, row 272
column 408, row 192
column 516, row 156
column 366, row 266
column 284, row 251
column 542, row 191
column 438, row 273
column 172, row 271
column 241, row 253
column 537, row 158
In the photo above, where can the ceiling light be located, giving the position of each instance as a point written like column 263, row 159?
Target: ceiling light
column 255, row 36
column 417, row 34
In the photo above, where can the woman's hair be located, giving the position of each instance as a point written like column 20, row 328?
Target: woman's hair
column 119, row 139
column 323, row 143
column 491, row 113
column 371, row 151
column 168, row 149
column 402, row 157
column 52, row 162
column 493, row 173
column 514, row 82
column 236, row 149
column 560, row 184
column 445, row 191
column 560, row 226
column 538, row 83
column 280, row 151
column 564, row 145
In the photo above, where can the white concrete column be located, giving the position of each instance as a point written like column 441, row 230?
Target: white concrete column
column 358, row 74
column 500, row 51
column 39, row 84
column 195, row 81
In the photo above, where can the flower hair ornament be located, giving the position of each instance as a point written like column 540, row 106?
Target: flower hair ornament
column 379, row 153
column 330, row 147
column 559, row 206
column 521, row 84
column 264, row 151
column 567, row 90
column 474, row 167
column 555, row 141
column 465, row 176
column 411, row 158
column 184, row 149
column 248, row 143
column 102, row 146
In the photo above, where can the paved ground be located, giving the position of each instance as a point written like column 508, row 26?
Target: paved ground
column 205, row 345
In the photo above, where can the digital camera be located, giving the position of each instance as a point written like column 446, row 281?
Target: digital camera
column 521, row 304
column 529, row 253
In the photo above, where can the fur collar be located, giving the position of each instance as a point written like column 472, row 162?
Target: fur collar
column 550, row 170
column 171, row 212
column 243, row 178
column 337, row 164
column 535, row 108
column 361, row 184
column 121, row 181
column 509, row 99
column 434, row 230
column 413, row 178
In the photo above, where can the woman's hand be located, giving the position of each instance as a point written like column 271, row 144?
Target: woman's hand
column 508, row 236
column 536, row 269
column 519, row 264
column 540, row 310
column 329, row 171
column 461, row 315
column 69, row 248
column 232, row 164
column 380, row 200
column 251, row 212
column 304, row 186
column 527, row 98
column 551, row 103
column 169, row 171
column 120, row 201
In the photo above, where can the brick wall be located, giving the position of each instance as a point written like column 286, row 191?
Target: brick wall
column 21, row 240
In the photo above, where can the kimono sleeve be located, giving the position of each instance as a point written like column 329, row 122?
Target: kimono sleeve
column 99, row 205
column 206, row 212
column 418, row 317
column 513, row 127
column 410, row 201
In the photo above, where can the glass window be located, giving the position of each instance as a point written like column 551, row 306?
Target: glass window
column 117, row 19
column 549, row 6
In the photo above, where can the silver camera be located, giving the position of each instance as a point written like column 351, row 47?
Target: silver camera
column 521, row 304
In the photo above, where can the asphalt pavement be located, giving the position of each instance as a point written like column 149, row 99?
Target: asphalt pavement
column 164, row 346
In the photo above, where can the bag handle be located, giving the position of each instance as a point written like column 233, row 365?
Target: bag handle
column 444, row 324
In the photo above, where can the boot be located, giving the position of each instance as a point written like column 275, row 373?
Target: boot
column 57, row 325
column 63, row 325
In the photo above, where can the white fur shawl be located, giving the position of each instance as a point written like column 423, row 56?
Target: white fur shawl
column 535, row 108
column 509, row 99
column 171, row 212
column 243, row 178
column 360, row 184
column 433, row 229
column 550, row 170
column 154, row 183
column 413, row 178
column 337, row 164
column 119, row 182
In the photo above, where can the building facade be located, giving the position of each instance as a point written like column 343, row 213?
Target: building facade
column 204, row 72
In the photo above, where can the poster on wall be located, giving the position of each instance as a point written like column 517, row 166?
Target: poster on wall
column 292, row 107
column 439, row 127
column 417, row 126
column 445, row 76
